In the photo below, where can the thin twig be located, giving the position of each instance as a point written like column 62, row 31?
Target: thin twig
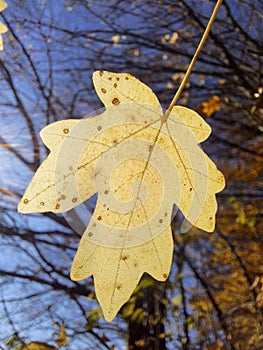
column 191, row 65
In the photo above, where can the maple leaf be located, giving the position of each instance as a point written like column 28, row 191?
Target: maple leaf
column 3, row 28
column 140, row 164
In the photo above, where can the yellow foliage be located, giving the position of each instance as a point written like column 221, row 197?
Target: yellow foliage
column 140, row 165
column 62, row 337
column 115, row 39
column 209, row 107
column 171, row 39
column 38, row 346
column 3, row 28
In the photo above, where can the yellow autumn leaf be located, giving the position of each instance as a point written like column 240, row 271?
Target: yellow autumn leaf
column 140, row 164
column 173, row 38
column 62, row 337
column 170, row 38
column 3, row 28
column 209, row 107
column 115, row 38
column 38, row 346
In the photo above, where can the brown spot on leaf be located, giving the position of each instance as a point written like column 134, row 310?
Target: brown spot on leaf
column 90, row 234
column 74, row 200
column 115, row 101
column 106, row 192
column 115, row 85
column 103, row 90
column 25, row 201
column 160, row 221
column 127, row 78
column 99, row 127
column 62, row 197
column 118, row 79
column 110, row 78
column 124, row 257
column 190, row 189
column 165, row 275
column 101, row 73
column 42, row 203
column 57, row 206
column 66, row 130
column 99, row 218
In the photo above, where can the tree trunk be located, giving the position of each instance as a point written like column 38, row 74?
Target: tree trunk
column 149, row 333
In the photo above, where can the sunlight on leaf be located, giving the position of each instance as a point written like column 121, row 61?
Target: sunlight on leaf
column 139, row 165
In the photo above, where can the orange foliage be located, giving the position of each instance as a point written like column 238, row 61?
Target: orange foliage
column 207, row 108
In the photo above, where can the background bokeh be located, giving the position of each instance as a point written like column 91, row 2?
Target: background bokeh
column 213, row 298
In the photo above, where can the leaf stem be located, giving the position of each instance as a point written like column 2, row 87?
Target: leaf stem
column 192, row 63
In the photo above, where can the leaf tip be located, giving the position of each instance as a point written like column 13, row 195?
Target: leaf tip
column 73, row 275
column 23, row 207
column 109, row 310
column 3, row 5
column 77, row 273
column 97, row 73
column 81, row 268
column 109, row 316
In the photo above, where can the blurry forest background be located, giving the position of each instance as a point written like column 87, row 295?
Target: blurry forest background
column 213, row 299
